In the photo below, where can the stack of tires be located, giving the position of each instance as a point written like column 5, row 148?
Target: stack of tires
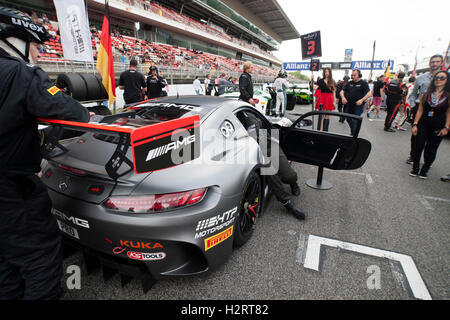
column 85, row 87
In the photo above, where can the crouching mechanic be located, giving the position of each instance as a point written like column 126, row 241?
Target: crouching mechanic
column 285, row 174
column 30, row 243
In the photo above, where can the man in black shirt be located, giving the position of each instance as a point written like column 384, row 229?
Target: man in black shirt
column 155, row 83
column 246, row 84
column 133, row 84
column 354, row 96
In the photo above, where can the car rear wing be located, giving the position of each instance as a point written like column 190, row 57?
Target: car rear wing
column 154, row 147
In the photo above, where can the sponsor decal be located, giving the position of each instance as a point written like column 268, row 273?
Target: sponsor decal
column 140, row 244
column 53, row 90
column 74, row 220
column 160, row 151
column 28, row 25
column 146, row 256
column 218, row 238
column 214, row 224
column 173, row 105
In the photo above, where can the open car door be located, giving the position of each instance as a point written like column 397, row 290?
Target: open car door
column 334, row 151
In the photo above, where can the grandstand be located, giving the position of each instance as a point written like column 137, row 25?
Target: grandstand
column 182, row 38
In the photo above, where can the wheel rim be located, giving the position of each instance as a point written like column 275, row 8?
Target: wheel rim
column 250, row 207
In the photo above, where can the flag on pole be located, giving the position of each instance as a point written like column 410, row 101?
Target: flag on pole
column 105, row 63
column 387, row 71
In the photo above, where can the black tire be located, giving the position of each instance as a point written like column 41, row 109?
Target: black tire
column 249, row 210
column 103, row 93
column 102, row 110
column 92, row 86
column 290, row 103
column 72, row 84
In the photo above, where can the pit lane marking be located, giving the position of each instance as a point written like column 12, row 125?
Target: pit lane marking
column 424, row 201
column 308, row 253
column 369, row 179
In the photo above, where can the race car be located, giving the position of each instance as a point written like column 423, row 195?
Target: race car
column 119, row 196
column 261, row 96
column 301, row 92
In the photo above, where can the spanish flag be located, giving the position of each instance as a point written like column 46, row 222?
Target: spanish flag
column 105, row 64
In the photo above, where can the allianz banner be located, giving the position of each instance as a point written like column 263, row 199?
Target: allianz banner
column 74, row 29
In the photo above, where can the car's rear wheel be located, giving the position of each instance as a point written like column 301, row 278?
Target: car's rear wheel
column 249, row 210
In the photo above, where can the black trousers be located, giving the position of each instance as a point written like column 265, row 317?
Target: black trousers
column 413, row 138
column 30, row 242
column 427, row 141
column 392, row 109
column 285, row 175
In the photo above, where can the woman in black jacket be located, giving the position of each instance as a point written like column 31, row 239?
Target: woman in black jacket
column 431, row 123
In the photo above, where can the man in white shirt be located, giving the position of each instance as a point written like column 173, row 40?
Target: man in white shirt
column 281, row 84
column 197, row 86
column 207, row 83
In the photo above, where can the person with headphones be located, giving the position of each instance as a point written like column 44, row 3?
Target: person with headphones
column 354, row 96
column 30, row 241
column 281, row 84
column 155, row 83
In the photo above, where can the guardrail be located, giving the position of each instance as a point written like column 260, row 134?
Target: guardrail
column 54, row 66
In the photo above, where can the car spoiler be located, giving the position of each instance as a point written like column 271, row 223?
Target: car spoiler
column 154, row 147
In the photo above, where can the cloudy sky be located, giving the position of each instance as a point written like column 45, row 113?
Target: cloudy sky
column 398, row 26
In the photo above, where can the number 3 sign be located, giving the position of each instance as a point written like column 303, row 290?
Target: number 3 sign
column 311, row 45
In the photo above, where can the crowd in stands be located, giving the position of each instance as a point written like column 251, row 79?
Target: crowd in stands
column 126, row 48
column 160, row 10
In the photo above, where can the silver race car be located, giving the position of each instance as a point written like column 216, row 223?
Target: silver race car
column 136, row 212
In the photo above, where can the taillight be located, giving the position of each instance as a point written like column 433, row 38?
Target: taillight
column 155, row 203
column 73, row 170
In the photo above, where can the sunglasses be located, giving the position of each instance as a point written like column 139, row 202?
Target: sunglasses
column 440, row 78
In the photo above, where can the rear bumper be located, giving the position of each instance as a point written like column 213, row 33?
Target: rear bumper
column 164, row 244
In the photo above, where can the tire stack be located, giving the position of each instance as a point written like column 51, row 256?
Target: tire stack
column 84, row 87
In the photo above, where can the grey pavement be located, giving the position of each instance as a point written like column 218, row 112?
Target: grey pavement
column 378, row 206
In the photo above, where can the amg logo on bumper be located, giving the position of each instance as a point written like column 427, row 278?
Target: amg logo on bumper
column 74, row 220
column 155, row 153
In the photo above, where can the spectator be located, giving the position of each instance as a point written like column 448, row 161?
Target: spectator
column 421, row 86
column 431, row 123
column 197, row 86
column 165, row 89
column 354, row 96
column 377, row 93
column 45, row 19
column 402, row 116
column 208, row 85
column 133, row 84
column 223, row 84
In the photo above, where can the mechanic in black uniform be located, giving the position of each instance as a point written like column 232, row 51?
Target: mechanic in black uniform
column 246, row 84
column 155, row 83
column 339, row 87
column 354, row 96
column 133, row 83
column 396, row 92
column 285, row 174
column 30, row 242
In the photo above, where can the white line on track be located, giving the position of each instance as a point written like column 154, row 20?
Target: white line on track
column 424, row 201
column 369, row 179
column 312, row 260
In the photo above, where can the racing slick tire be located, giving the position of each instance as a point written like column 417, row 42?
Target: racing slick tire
column 290, row 104
column 92, row 86
column 250, row 209
column 103, row 94
column 73, row 84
